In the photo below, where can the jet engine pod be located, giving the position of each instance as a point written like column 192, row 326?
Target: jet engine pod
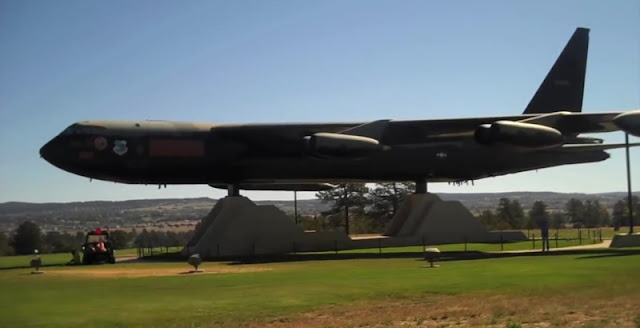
column 334, row 145
column 629, row 122
column 522, row 136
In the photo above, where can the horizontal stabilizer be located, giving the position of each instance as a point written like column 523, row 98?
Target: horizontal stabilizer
column 584, row 147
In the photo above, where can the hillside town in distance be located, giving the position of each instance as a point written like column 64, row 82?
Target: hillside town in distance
column 184, row 214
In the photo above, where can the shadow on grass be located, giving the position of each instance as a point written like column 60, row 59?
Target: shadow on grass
column 444, row 256
column 582, row 254
column 611, row 253
column 158, row 258
column 27, row 266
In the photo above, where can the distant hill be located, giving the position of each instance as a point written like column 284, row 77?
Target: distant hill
column 83, row 215
column 554, row 200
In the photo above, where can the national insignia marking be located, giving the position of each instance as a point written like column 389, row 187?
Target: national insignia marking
column 100, row 143
column 120, row 147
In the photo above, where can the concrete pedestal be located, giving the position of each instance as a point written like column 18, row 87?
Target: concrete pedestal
column 619, row 241
column 238, row 227
column 442, row 222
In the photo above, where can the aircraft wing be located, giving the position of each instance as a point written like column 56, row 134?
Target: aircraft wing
column 280, row 186
column 568, row 123
column 576, row 123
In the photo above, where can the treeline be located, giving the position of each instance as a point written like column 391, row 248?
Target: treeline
column 357, row 209
column 354, row 208
column 576, row 214
column 29, row 237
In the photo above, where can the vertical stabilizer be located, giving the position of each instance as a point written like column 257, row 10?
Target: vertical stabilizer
column 563, row 88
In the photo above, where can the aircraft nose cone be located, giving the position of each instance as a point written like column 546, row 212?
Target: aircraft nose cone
column 49, row 150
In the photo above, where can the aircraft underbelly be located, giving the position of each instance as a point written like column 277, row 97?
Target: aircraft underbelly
column 447, row 162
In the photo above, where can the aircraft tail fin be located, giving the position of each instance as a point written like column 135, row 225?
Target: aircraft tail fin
column 563, row 87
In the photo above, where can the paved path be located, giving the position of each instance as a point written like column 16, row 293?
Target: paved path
column 604, row 244
column 128, row 258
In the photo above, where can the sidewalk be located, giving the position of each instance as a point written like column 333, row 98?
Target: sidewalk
column 604, row 244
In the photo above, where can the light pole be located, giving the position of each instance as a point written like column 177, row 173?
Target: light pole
column 630, row 197
column 295, row 205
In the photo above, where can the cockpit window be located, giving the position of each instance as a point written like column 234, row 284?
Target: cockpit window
column 77, row 129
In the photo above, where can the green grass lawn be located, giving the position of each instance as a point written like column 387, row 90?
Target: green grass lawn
column 62, row 298
column 63, row 258
column 477, row 247
column 22, row 261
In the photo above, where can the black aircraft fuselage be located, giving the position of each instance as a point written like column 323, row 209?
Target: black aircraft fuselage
column 157, row 152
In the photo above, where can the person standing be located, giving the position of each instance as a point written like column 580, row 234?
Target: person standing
column 544, row 232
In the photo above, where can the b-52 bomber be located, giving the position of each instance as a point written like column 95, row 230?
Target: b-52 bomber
column 311, row 156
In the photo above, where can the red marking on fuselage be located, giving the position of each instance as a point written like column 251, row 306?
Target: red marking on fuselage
column 85, row 155
column 176, row 148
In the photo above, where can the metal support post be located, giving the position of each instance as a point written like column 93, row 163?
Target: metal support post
column 295, row 206
column 630, row 197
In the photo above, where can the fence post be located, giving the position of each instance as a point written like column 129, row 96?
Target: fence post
column 533, row 238
column 501, row 242
column 580, row 236
column 556, row 240
column 379, row 245
column 465, row 244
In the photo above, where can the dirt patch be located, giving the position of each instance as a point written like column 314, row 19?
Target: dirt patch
column 106, row 272
column 474, row 311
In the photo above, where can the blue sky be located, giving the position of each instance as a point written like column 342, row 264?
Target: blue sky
column 273, row 61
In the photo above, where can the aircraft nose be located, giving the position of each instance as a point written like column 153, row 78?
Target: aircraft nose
column 49, row 150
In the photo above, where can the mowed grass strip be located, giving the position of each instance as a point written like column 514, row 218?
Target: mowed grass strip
column 57, row 259
column 285, row 291
column 22, row 261
column 471, row 247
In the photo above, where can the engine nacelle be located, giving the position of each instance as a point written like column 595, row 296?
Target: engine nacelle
column 334, row 145
column 523, row 136
column 629, row 122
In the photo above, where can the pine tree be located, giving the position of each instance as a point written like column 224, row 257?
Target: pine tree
column 539, row 213
column 386, row 199
column 619, row 215
column 27, row 238
column 510, row 214
column 343, row 197
column 5, row 249
column 574, row 210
